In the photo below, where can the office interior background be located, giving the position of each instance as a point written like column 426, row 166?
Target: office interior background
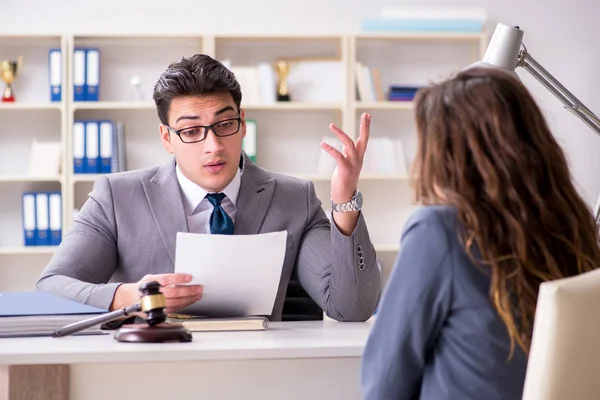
column 560, row 35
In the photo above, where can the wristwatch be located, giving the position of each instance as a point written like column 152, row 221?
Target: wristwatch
column 355, row 203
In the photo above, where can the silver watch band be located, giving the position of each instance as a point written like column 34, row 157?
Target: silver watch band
column 355, row 204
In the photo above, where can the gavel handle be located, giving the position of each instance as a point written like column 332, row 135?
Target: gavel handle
column 88, row 323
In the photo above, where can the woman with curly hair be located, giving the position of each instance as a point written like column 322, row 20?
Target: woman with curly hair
column 500, row 215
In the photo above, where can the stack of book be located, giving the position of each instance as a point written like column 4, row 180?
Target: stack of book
column 42, row 218
column 368, row 83
column 385, row 155
column 98, row 147
column 402, row 93
column 86, row 74
column 24, row 314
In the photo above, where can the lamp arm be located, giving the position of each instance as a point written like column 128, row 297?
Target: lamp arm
column 571, row 102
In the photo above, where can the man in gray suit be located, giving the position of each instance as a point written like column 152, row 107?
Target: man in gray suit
column 125, row 232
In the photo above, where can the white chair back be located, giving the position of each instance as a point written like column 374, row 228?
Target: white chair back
column 564, row 360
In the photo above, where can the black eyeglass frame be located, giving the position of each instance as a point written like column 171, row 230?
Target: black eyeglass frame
column 206, row 129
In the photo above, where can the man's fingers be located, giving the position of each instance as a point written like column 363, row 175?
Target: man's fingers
column 345, row 139
column 180, row 302
column 181, row 291
column 333, row 152
column 168, row 279
column 365, row 129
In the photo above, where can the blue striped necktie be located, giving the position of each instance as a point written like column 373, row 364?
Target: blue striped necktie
column 220, row 221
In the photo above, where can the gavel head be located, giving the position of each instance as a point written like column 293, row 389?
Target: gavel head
column 153, row 303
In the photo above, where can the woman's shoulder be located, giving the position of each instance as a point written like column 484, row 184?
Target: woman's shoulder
column 441, row 216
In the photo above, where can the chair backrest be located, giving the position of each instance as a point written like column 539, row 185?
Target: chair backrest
column 299, row 306
column 565, row 350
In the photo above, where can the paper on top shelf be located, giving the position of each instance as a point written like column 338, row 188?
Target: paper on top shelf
column 316, row 81
column 240, row 274
column 432, row 13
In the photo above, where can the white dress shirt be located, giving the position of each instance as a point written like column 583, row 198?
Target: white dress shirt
column 197, row 207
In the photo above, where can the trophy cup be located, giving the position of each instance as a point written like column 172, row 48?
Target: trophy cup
column 8, row 73
column 283, row 69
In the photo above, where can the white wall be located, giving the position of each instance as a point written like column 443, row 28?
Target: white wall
column 561, row 35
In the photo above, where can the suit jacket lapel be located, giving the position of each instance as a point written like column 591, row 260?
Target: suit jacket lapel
column 165, row 201
column 256, row 192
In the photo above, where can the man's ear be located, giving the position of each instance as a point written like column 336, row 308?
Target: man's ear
column 165, row 138
column 243, row 122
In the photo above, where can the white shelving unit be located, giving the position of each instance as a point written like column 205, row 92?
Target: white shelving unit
column 112, row 105
column 31, row 116
column 32, row 106
column 382, row 105
column 122, row 58
column 289, row 133
column 25, row 250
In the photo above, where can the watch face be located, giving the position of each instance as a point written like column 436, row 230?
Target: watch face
column 359, row 200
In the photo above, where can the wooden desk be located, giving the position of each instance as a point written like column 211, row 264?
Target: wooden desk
column 291, row 360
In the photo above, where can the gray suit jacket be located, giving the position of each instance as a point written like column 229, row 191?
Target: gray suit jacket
column 127, row 228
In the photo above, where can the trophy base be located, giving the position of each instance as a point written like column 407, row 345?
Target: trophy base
column 283, row 97
column 161, row 333
column 7, row 96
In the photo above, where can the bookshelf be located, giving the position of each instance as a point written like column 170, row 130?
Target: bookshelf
column 289, row 133
column 31, row 116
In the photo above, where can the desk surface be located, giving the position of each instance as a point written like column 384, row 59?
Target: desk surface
column 283, row 340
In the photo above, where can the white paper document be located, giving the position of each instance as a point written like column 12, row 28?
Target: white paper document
column 240, row 274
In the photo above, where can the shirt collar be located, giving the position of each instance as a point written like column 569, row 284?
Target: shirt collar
column 194, row 194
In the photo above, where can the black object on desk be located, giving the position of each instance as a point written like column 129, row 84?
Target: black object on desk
column 155, row 329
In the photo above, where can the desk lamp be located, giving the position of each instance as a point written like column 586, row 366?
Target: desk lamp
column 152, row 303
column 507, row 51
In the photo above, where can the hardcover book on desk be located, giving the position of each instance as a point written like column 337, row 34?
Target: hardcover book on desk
column 212, row 324
column 40, row 314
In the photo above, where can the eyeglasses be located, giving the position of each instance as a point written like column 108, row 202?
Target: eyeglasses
column 196, row 134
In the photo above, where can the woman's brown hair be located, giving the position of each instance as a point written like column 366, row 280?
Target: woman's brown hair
column 485, row 148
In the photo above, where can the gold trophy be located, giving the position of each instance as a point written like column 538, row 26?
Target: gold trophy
column 283, row 69
column 8, row 73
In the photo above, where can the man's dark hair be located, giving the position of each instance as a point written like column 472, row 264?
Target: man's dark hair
column 194, row 76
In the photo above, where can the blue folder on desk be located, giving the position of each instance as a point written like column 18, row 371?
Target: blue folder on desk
column 40, row 314
column 16, row 304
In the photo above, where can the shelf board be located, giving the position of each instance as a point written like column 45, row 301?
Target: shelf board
column 384, row 105
column 26, row 178
column 136, row 35
column 31, row 106
column 85, row 177
column 21, row 250
column 278, row 37
column 29, row 36
column 383, row 177
column 386, row 248
column 313, row 177
column 363, row 177
column 291, row 105
column 112, row 105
